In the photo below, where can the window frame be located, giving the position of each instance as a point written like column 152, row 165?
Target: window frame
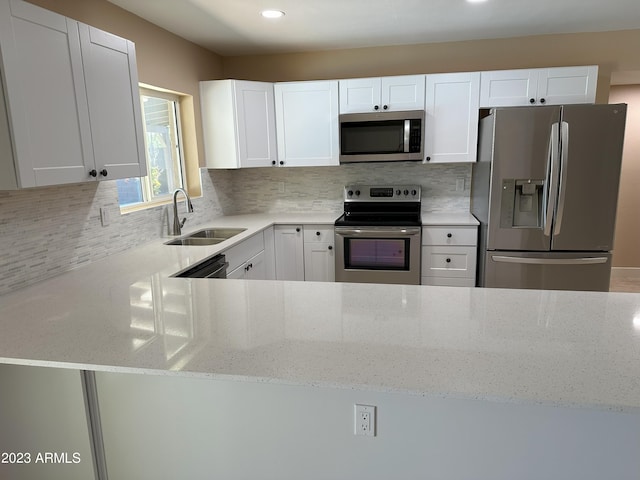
column 150, row 91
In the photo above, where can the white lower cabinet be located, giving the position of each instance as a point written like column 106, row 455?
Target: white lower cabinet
column 449, row 255
column 252, row 269
column 247, row 260
column 319, row 257
column 289, row 246
column 42, row 410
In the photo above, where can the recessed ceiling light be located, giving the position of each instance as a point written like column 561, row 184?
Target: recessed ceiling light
column 272, row 13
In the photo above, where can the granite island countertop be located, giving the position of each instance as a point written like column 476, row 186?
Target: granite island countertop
column 126, row 314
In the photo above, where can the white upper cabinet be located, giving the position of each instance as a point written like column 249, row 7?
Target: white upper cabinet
column 541, row 86
column 451, row 117
column 397, row 93
column 71, row 108
column 238, row 121
column 45, row 96
column 566, row 85
column 307, row 123
column 111, row 79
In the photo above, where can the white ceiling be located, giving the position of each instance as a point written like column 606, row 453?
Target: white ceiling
column 234, row 27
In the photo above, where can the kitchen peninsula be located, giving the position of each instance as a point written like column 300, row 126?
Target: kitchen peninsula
column 545, row 381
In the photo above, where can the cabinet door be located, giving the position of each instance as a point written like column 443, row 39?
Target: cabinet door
column 42, row 409
column 404, row 92
column 289, row 252
column 319, row 262
column 307, row 123
column 451, row 123
column 256, row 126
column 359, row 95
column 114, row 104
column 559, row 86
column 238, row 273
column 508, row 88
column 45, row 95
column 256, row 268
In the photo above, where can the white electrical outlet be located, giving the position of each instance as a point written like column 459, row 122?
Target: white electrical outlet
column 365, row 420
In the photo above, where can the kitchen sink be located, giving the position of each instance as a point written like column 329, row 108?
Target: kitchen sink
column 206, row 236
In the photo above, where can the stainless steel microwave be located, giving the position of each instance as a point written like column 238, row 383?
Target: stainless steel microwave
column 382, row 136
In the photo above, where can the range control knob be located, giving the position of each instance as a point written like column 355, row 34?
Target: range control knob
column 398, row 192
column 350, row 193
column 357, row 193
column 406, row 192
column 414, row 192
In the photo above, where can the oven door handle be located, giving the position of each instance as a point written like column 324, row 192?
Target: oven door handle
column 386, row 232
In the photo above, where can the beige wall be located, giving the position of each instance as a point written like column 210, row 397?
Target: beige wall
column 626, row 249
column 612, row 51
column 164, row 59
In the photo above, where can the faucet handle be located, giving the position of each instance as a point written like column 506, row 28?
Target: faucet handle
column 183, row 222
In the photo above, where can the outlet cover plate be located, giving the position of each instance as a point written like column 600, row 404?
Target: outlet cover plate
column 365, row 420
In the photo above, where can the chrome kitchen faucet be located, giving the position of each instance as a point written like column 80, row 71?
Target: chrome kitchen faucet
column 178, row 224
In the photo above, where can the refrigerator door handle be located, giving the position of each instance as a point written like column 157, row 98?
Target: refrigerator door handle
column 549, row 261
column 564, row 162
column 552, row 178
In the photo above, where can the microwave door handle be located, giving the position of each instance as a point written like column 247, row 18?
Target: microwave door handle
column 564, row 163
column 407, row 135
column 552, row 178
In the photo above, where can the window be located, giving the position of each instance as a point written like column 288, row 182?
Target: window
column 161, row 121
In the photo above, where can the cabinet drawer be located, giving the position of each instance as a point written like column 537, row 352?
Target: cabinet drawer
column 449, row 281
column 318, row 233
column 240, row 253
column 442, row 261
column 454, row 235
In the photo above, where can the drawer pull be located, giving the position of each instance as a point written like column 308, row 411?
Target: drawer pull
column 449, row 235
column 318, row 233
column 448, row 260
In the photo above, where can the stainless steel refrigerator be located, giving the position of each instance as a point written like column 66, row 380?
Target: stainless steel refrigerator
column 545, row 190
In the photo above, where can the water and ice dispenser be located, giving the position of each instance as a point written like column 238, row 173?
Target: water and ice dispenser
column 521, row 203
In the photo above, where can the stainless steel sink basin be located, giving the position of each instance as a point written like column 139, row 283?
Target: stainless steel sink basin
column 222, row 233
column 206, row 236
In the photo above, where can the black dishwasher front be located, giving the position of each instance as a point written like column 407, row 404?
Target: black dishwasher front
column 212, row 267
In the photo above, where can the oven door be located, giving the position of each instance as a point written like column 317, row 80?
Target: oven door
column 378, row 254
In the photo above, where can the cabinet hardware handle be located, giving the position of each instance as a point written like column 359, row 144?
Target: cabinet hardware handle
column 297, row 229
column 376, row 107
column 104, row 172
column 330, row 247
column 386, row 107
column 281, row 162
column 273, row 162
column 318, row 233
column 448, row 260
column 93, row 173
column 428, row 159
column 449, row 235
column 542, row 100
column 532, row 100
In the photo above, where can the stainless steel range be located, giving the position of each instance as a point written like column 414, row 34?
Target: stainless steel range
column 378, row 236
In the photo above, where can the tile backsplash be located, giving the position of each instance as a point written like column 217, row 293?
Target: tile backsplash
column 320, row 189
column 47, row 231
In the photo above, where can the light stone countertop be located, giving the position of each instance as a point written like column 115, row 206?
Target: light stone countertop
column 449, row 219
column 125, row 314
